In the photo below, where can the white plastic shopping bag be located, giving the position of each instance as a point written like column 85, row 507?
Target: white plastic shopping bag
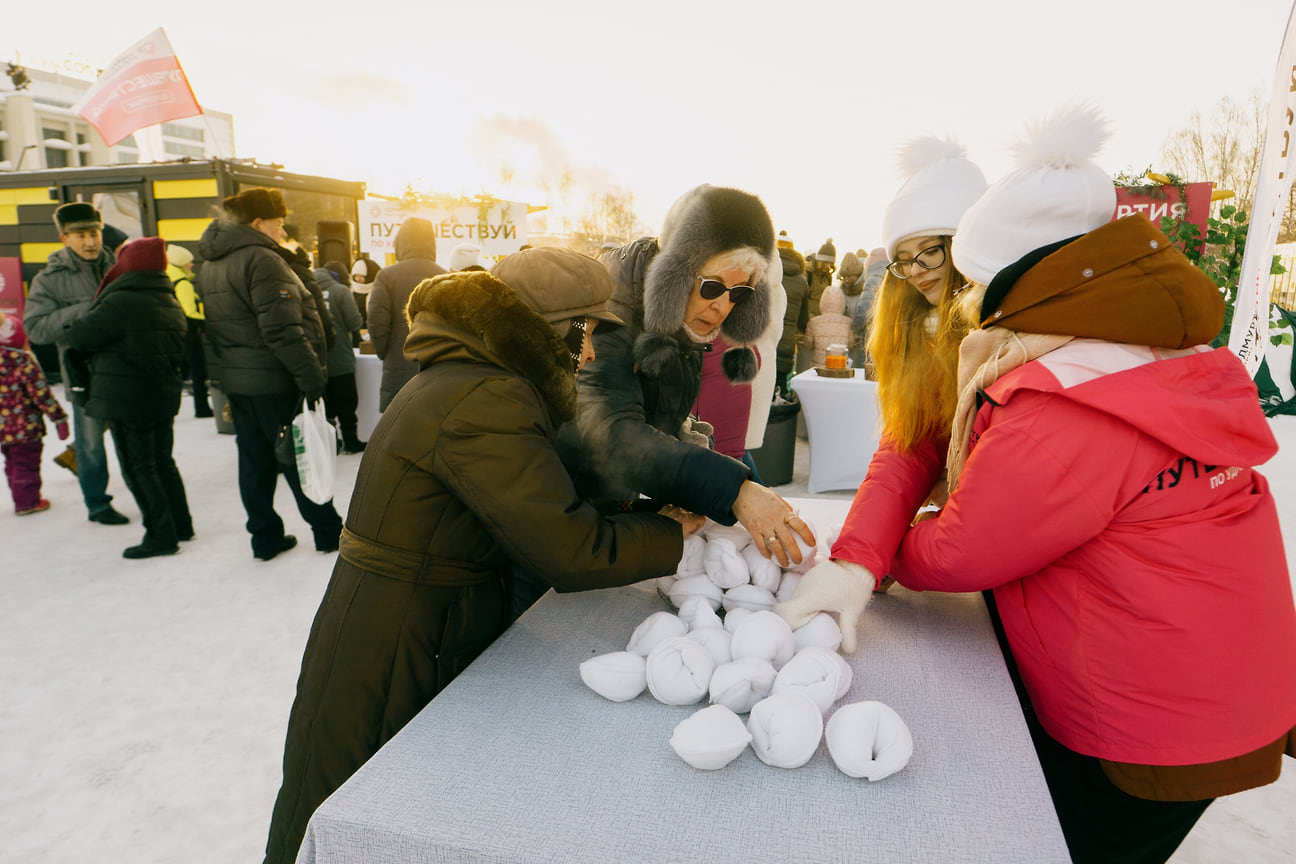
column 315, row 446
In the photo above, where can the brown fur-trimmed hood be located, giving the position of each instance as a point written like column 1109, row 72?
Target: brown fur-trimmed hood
column 474, row 315
column 1122, row 282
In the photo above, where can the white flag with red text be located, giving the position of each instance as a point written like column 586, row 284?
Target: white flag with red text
column 1249, row 334
column 142, row 87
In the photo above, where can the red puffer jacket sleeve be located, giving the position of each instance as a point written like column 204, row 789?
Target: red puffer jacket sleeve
column 1035, row 487
column 897, row 484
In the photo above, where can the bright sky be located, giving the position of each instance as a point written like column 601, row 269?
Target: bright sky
column 803, row 103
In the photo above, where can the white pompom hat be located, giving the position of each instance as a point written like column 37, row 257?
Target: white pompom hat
column 941, row 183
column 1056, row 192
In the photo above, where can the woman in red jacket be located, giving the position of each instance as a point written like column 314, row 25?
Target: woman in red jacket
column 916, row 330
column 1103, row 486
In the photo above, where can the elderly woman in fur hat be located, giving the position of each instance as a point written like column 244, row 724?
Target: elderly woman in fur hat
column 710, row 272
column 459, row 478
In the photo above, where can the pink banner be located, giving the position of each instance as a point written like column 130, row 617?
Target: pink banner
column 142, row 87
column 1196, row 209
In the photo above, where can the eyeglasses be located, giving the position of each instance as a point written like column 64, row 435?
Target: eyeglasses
column 929, row 259
column 710, row 289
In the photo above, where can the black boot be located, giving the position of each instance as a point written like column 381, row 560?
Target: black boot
column 150, row 549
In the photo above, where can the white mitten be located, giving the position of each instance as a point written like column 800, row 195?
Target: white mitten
column 831, row 586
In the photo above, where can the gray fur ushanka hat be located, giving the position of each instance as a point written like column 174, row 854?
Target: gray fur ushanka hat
column 701, row 224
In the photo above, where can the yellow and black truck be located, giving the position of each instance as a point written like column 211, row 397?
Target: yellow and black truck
column 172, row 200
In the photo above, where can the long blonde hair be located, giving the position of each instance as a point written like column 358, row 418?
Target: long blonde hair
column 917, row 372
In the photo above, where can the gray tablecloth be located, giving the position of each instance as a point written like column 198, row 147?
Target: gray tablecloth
column 517, row 761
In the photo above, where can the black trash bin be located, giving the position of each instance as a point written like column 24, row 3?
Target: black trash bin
column 776, row 456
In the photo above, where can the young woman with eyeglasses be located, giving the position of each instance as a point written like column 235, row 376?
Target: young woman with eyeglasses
column 914, row 345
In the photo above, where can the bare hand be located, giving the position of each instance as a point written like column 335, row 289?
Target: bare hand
column 771, row 522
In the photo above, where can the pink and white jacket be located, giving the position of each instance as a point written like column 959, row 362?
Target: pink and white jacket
column 1110, row 500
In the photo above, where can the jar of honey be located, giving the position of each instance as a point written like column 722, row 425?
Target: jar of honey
column 836, row 357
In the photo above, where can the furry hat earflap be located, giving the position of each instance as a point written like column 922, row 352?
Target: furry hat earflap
column 701, row 224
column 259, row 202
column 1057, row 192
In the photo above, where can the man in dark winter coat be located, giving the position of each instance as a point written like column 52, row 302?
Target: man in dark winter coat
column 267, row 339
column 706, row 275
column 135, row 329
column 388, row 327
column 459, row 478
column 797, row 314
column 60, row 294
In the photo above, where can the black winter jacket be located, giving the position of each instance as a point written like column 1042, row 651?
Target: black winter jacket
column 136, row 331
column 262, row 324
column 626, row 438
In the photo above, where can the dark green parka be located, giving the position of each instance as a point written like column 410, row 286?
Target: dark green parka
column 460, row 477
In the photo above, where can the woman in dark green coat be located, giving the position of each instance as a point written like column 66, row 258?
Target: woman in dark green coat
column 134, row 332
column 460, row 478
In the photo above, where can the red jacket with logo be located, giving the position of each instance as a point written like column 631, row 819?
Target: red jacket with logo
column 1111, row 502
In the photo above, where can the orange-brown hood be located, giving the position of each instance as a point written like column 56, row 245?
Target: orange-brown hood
column 1122, row 282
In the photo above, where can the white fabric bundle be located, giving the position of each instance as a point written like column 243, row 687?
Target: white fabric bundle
column 787, row 586
column 809, row 554
column 734, row 617
column 656, row 628
column 695, row 586
column 741, row 684
column 765, row 572
column 823, row 675
column 691, row 563
column 736, row 534
column 765, row 636
column 821, row 631
column 697, row 613
column 868, row 739
column 785, row 729
column 620, row 676
column 679, row 671
column 747, row 597
column 724, row 565
column 710, row 738
column 716, row 640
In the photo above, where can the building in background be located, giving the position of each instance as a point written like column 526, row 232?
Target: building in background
column 40, row 131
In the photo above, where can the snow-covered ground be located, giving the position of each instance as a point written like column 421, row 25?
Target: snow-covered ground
column 143, row 703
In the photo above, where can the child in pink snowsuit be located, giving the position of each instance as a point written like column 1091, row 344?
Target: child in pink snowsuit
column 24, row 395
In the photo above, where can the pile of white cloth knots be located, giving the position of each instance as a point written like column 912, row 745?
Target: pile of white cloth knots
column 750, row 662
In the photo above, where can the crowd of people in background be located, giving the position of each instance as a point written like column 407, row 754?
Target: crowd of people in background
column 563, row 421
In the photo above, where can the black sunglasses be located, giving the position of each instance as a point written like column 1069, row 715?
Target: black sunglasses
column 710, row 289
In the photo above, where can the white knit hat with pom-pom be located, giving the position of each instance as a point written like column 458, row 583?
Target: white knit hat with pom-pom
column 940, row 184
column 1056, row 192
